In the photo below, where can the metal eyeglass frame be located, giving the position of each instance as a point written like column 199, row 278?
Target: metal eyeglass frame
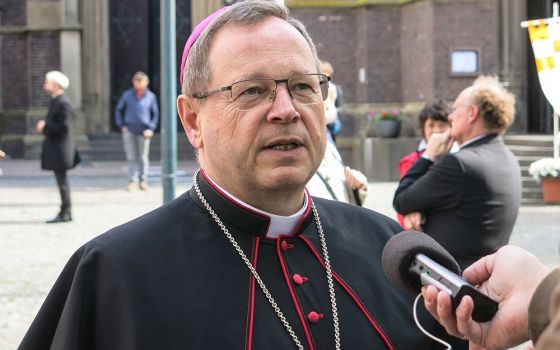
column 324, row 79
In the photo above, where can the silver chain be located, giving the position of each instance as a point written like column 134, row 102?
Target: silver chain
column 258, row 278
column 329, row 275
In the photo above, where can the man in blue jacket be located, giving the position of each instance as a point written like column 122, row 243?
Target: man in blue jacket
column 137, row 116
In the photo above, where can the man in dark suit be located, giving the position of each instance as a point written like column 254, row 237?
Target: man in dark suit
column 469, row 200
column 59, row 152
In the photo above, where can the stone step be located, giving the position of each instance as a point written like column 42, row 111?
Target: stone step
column 525, row 161
column 529, row 182
column 529, row 140
column 531, row 193
column 532, row 201
column 537, row 151
column 527, row 149
column 109, row 147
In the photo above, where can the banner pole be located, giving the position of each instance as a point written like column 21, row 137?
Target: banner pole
column 556, row 135
column 555, row 127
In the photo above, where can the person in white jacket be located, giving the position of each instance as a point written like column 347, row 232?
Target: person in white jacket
column 333, row 180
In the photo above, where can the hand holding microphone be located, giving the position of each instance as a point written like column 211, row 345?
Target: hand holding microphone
column 413, row 259
column 509, row 276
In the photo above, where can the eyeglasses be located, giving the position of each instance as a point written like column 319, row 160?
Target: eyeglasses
column 305, row 89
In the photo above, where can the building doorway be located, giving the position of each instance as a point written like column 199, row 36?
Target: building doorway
column 134, row 27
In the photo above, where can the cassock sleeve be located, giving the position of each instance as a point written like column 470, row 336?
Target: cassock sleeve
column 429, row 186
column 63, row 320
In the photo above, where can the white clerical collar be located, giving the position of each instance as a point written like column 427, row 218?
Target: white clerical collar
column 476, row 138
column 279, row 225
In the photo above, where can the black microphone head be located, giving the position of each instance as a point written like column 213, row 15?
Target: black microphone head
column 400, row 250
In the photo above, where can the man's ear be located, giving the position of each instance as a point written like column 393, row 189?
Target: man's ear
column 188, row 113
column 473, row 113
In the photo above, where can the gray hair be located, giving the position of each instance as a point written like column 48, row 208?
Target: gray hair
column 196, row 73
column 141, row 76
column 58, row 78
column 496, row 104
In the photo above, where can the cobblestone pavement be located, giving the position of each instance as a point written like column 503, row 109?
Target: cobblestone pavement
column 32, row 254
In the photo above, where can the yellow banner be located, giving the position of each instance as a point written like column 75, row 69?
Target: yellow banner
column 544, row 63
column 545, row 41
column 538, row 30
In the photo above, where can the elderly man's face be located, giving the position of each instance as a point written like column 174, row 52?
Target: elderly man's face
column 139, row 84
column 262, row 150
column 459, row 117
column 49, row 87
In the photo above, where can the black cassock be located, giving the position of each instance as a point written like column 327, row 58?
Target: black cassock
column 171, row 280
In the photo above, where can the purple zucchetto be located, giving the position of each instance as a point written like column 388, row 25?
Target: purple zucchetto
column 195, row 34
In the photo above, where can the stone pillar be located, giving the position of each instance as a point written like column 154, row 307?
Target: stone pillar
column 96, row 65
column 512, row 55
column 70, row 46
column 200, row 9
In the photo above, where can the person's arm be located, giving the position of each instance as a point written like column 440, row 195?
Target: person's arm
column 414, row 221
column 510, row 277
column 58, row 125
column 405, row 164
column 428, row 186
column 154, row 114
column 119, row 111
column 356, row 180
column 544, row 313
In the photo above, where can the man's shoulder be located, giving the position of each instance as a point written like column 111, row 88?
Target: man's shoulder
column 128, row 92
column 484, row 150
column 411, row 157
column 348, row 215
column 150, row 93
column 160, row 226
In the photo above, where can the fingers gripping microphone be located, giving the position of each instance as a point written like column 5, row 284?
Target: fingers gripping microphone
column 411, row 259
column 400, row 251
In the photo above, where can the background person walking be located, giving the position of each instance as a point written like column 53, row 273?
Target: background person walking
column 137, row 115
column 59, row 151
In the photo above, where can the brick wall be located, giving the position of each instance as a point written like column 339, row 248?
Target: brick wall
column 463, row 24
column 334, row 33
column 417, row 52
column 26, row 56
column 13, row 12
column 354, row 38
column 14, row 72
column 404, row 49
column 44, row 56
column 383, row 34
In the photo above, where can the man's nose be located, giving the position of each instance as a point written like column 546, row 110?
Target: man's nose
column 283, row 108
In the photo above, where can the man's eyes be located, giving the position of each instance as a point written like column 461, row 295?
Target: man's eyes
column 254, row 90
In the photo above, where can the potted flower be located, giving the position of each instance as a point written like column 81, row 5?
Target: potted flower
column 547, row 172
column 385, row 124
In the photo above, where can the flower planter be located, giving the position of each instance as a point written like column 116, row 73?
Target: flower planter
column 551, row 189
column 387, row 128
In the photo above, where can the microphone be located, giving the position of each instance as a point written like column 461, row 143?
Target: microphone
column 411, row 259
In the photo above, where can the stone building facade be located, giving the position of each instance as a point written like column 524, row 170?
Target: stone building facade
column 399, row 56
column 386, row 54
